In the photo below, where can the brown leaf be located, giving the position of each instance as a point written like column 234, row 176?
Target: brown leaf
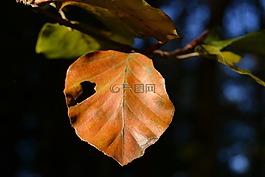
column 131, row 18
column 130, row 109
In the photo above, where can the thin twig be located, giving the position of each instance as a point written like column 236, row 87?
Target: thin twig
column 197, row 41
column 150, row 50
column 170, row 54
column 187, row 51
column 188, row 55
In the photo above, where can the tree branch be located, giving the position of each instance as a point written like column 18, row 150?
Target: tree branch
column 187, row 51
column 151, row 50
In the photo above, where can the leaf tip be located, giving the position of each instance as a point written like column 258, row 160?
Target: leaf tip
column 173, row 35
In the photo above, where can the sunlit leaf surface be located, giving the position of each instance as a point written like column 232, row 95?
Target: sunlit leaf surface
column 130, row 109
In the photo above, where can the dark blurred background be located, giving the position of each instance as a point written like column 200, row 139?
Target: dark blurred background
column 219, row 125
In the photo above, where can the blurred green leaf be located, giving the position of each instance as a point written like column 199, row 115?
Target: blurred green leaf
column 253, row 42
column 227, row 58
column 230, row 58
column 212, row 52
column 248, row 73
column 209, row 51
column 60, row 42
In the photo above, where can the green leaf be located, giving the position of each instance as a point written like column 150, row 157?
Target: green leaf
column 230, row 58
column 60, row 42
column 210, row 52
column 227, row 58
column 56, row 41
column 253, row 42
column 247, row 73
column 134, row 18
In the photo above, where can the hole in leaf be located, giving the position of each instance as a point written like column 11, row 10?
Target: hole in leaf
column 88, row 90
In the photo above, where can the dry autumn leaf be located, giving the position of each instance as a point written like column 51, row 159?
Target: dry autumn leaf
column 131, row 18
column 130, row 109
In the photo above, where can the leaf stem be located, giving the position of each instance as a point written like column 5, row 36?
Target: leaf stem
column 188, row 55
column 185, row 52
column 153, row 48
